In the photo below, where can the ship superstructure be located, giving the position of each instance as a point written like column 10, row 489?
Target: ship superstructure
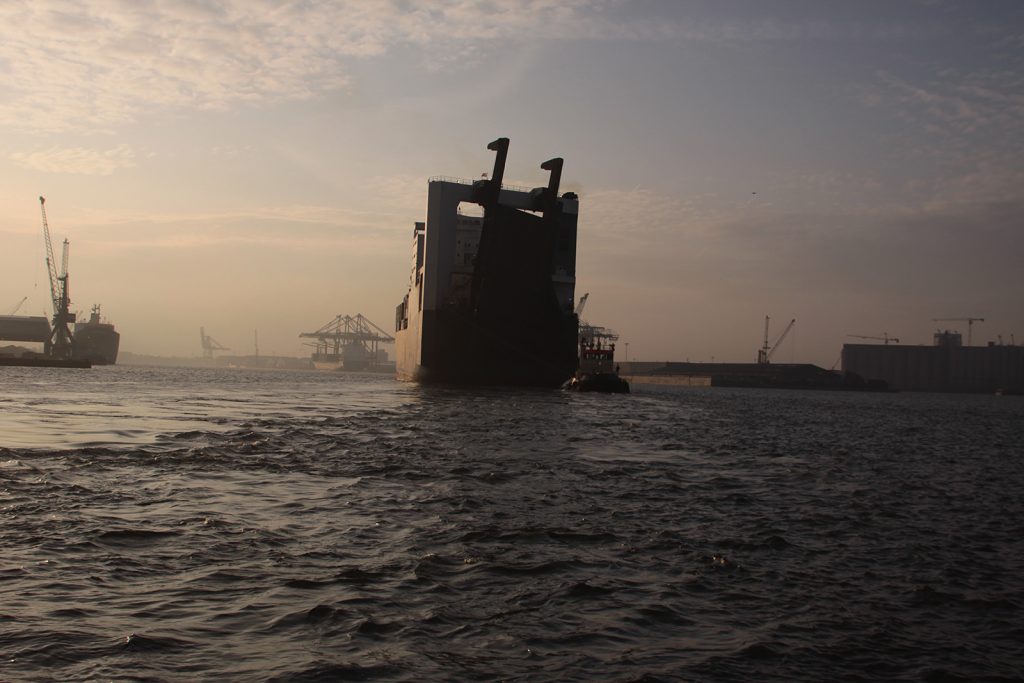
column 490, row 297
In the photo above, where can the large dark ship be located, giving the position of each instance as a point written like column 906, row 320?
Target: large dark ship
column 95, row 341
column 490, row 297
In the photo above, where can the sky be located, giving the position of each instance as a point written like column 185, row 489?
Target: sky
column 253, row 165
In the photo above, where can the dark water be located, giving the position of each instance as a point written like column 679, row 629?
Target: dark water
column 180, row 525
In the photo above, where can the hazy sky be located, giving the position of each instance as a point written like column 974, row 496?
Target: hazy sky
column 251, row 165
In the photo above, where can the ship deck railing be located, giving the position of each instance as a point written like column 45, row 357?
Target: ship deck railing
column 467, row 181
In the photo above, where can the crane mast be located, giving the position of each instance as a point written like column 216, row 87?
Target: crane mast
column 765, row 353
column 61, row 342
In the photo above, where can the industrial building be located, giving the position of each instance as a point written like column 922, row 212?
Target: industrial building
column 946, row 365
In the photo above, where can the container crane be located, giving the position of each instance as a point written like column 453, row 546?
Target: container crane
column 352, row 341
column 885, row 338
column 60, row 343
column 210, row 344
column 970, row 322
column 765, row 353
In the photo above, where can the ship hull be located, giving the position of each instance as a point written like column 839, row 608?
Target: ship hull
column 490, row 299
column 455, row 349
column 97, row 344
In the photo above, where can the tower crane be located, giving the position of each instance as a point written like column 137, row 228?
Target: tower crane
column 210, row 344
column 970, row 322
column 765, row 353
column 59, row 345
column 885, row 338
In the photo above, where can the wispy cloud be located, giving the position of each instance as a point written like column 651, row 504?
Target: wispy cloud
column 93, row 65
column 954, row 104
column 78, row 160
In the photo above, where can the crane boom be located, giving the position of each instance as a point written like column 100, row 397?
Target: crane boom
column 581, row 304
column 764, row 354
column 885, row 338
column 51, row 262
column 18, row 307
column 778, row 341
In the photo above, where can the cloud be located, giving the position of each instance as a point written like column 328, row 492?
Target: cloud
column 94, row 65
column 77, row 160
column 954, row 103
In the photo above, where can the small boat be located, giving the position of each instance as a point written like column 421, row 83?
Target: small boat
column 597, row 370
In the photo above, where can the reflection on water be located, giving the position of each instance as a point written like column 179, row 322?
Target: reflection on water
column 110, row 405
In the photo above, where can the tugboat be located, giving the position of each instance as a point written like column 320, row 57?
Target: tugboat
column 597, row 371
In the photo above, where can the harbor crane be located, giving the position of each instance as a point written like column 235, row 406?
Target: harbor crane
column 885, row 338
column 970, row 323
column 765, row 353
column 14, row 311
column 581, row 304
column 59, row 345
column 210, row 344
column 353, row 341
column 592, row 334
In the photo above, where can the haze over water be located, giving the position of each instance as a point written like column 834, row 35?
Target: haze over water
column 245, row 164
column 201, row 524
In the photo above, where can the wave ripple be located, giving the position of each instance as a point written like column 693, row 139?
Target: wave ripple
column 204, row 524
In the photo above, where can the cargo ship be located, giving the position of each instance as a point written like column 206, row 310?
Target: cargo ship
column 490, row 297
column 95, row 341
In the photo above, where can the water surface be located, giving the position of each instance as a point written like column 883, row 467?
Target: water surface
column 199, row 524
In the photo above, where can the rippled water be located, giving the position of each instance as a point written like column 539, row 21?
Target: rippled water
column 185, row 524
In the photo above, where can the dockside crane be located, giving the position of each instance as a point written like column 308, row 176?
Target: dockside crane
column 885, row 338
column 210, row 344
column 765, row 353
column 592, row 334
column 61, row 341
column 352, row 340
column 14, row 311
column 970, row 323
column 581, row 304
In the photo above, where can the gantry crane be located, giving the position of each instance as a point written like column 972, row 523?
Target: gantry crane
column 970, row 323
column 61, row 341
column 885, row 338
column 210, row 344
column 351, row 341
column 765, row 353
column 593, row 334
